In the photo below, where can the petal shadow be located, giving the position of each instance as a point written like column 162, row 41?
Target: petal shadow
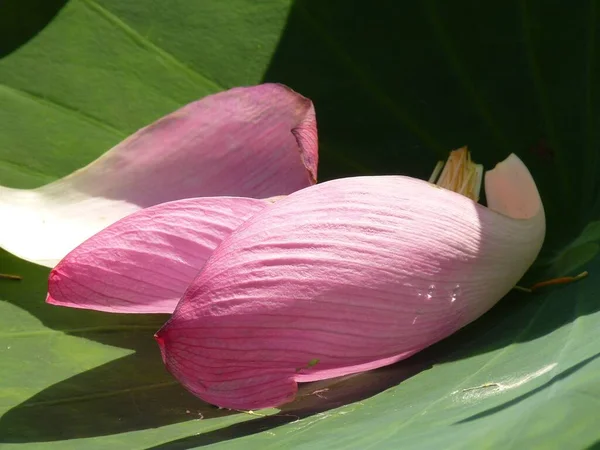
column 21, row 21
column 136, row 393
column 130, row 393
column 313, row 399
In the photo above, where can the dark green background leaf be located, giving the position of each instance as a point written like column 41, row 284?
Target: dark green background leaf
column 396, row 86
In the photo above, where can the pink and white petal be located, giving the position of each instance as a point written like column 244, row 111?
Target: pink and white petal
column 347, row 276
column 250, row 142
column 144, row 262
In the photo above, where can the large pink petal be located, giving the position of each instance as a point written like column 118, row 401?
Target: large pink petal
column 144, row 262
column 347, row 276
column 250, row 142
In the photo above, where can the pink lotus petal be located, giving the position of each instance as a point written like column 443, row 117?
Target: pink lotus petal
column 144, row 262
column 347, row 276
column 250, row 142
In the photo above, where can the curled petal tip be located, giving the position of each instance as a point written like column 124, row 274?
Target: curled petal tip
column 306, row 136
column 511, row 190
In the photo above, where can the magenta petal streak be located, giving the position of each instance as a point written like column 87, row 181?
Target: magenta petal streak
column 338, row 278
column 144, row 262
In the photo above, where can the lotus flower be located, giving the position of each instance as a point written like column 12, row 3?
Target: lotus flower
column 337, row 278
column 253, row 142
column 347, row 276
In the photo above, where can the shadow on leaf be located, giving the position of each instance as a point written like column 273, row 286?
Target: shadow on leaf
column 313, row 399
column 130, row 393
column 126, row 395
column 21, row 20
column 398, row 86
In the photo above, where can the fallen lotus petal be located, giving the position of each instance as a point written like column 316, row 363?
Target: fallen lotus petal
column 252, row 142
column 347, row 276
column 145, row 262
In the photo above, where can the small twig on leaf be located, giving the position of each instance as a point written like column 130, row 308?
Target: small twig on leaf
column 551, row 282
column 6, row 276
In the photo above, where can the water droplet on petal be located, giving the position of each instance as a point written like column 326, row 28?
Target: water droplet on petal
column 430, row 292
column 455, row 293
